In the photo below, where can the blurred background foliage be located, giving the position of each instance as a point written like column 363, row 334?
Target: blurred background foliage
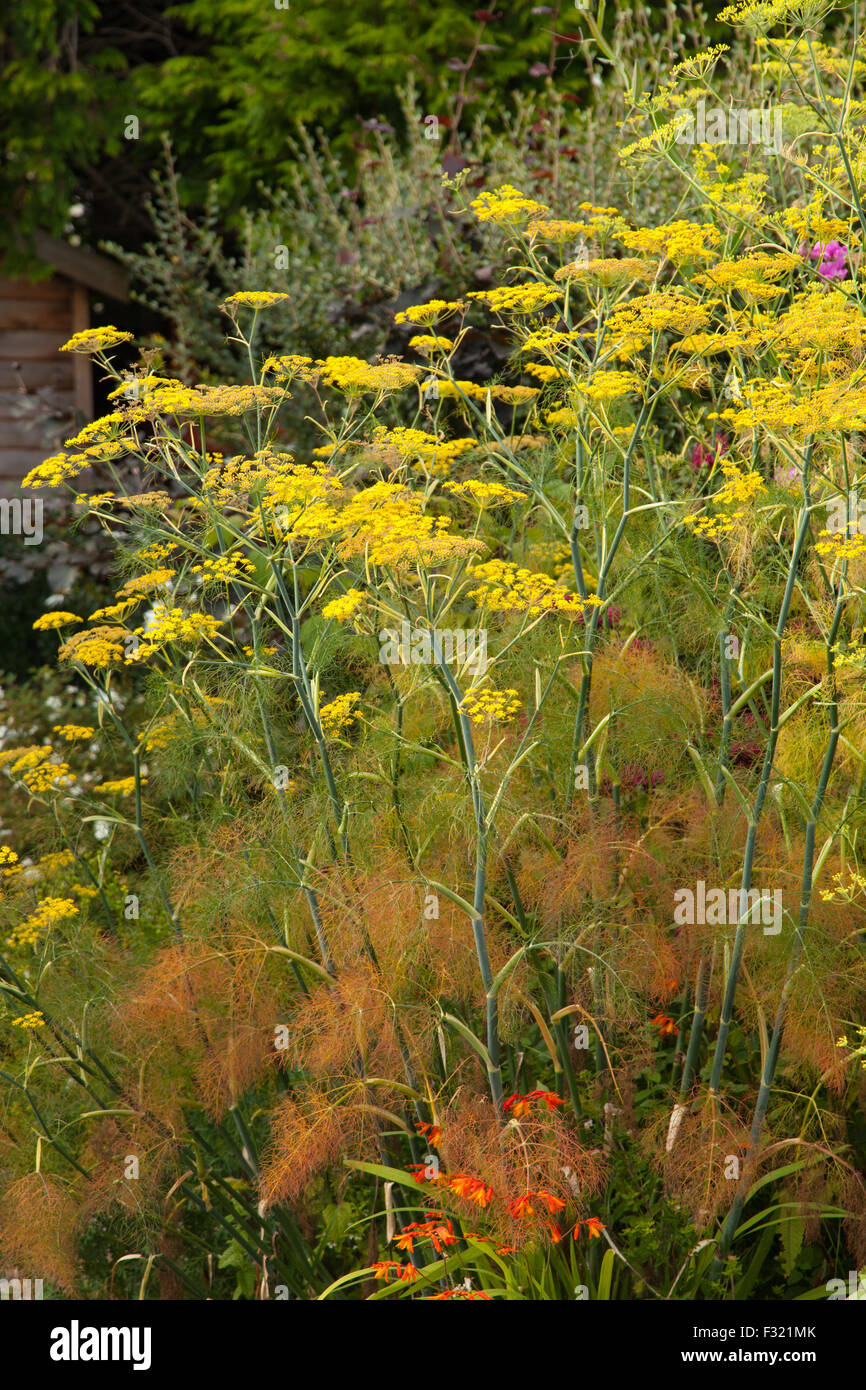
column 229, row 80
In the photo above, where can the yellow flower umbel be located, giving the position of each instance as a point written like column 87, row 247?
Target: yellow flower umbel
column 738, row 487
column 341, row 713
column 37, row 768
column 554, row 230
column 223, row 569
column 355, row 377
column 420, row 446
column 49, row 622
column 606, row 271
column 430, row 342
column 506, row 204
column 491, row 706
column 33, row 1020
column 678, row 241
column 346, row 606
column 174, row 625
column 9, row 865
column 102, row 646
column 48, row 912
column 484, row 493
column 507, row 588
column 518, row 299
column 835, row 545
column 429, row 313
column 96, row 339
column 73, row 732
column 122, row 786
column 255, row 299
column 609, row 386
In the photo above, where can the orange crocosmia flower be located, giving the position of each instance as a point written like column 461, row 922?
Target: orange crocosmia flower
column 383, row 1268
column 665, row 1024
column 555, row 1233
column 550, row 1098
column 441, row 1234
column 459, row 1293
column 438, row 1231
column 419, row 1170
column 409, row 1274
column 433, row 1133
column 521, row 1206
column 473, row 1189
column 594, row 1227
column 552, row 1203
column 518, row 1105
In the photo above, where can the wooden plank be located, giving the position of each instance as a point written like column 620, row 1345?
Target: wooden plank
column 42, row 314
column 83, row 266
column 55, row 403
column 15, row 462
column 82, row 366
column 15, row 434
column 37, row 290
column 32, row 346
column 56, row 372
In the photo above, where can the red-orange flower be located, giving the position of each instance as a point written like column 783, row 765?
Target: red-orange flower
column 665, row 1024
column 433, row 1133
column 459, row 1293
column 521, row 1206
column 553, row 1204
column 550, row 1098
column 473, row 1189
column 518, row 1105
column 438, row 1231
column 383, row 1268
column 420, row 1173
column 594, row 1227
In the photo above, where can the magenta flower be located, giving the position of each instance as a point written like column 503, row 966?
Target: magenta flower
column 702, row 454
column 633, row 775
column 831, row 257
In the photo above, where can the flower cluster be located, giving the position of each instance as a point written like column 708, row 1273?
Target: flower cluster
column 341, row 713
column 509, row 588
column 48, row 912
column 491, row 706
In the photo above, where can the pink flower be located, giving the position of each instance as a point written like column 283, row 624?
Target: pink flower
column 831, row 257
column 703, row 454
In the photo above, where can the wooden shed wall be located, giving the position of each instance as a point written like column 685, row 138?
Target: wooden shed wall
column 35, row 319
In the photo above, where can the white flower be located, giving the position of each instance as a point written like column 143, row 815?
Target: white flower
column 101, row 829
